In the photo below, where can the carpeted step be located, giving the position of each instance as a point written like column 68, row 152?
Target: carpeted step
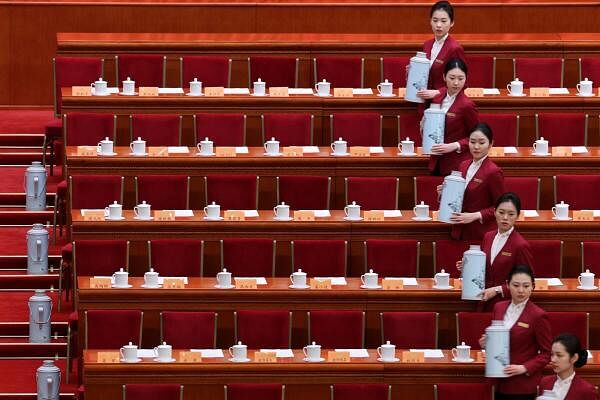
column 21, row 329
column 14, row 240
column 18, row 311
column 18, row 199
column 22, row 139
column 19, row 262
column 19, row 120
column 14, row 216
column 23, row 281
column 20, row 347
column 33, row 396
column 18, row 156
column 18, row 376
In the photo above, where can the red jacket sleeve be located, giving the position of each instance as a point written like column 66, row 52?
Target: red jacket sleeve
column 543, row 338
column 496, row 182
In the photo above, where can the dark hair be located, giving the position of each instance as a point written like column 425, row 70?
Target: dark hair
column 456, row 63
column 443, row 6
column 509, row 197
column 485, row 129
column 572, row 346
column 521, row 269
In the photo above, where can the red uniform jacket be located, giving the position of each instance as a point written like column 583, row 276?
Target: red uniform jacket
column 450, row 49
column 461, row 117
column 480, row 195
column 530, row 343
column 580, row 389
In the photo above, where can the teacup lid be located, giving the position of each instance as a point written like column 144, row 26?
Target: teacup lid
column 314, row 343
column 151, row 269
column 407, row 140
column 100, row 79
column 128, row 79
column 283, row 203
column 114, row 204
column 541, row 139
column 340, row 140
column 585, row 80
column 107, row 140
column 443, row 272
column 388, row 343
column 213, row 204
column 239, row 343
column 143, row 203
column 164, row 343
column 385, row 82
column 422, row 204
column 259, row 81
column 205, row 140
column 224, row 270
column 195, row 80
column 272, row 140
column 324, row 81
column 516, row 80
column 300, row 270
column 121, row 270
column 587, row 272
column 562, row 204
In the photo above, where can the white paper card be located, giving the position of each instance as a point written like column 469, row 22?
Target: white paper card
column 488, row 91
column 551, row 281
column 375, row 149
column 362, row 91
column 590, row 355
column 113, row 90
column 170, row 90
column 178, row 149
column 259, row 279
column 280, row 353
column 146, row 353
column 310, row 149
column 248, row 213
column 392, row 213
column 595, row 212
column 184, row 213
column 405, row 281
column 236, row 91
column 84, row 210
column 559, row 91
column 530, row 213
column 578, row 149
column 241, row 150
column 320, row 213
column 300, row 91
column 356, row 353
column 335, row 280
column 430, row 353
column 510, row 150
column 209, row 353
column 161, row 279
column 112, row 279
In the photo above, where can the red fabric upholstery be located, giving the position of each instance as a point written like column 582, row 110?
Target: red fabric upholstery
column 572, row 322
column 380, row 193
column 354, row 391
column 87, row 129
column 163, row 192
column 539, row 72
column 152, row 391
column 210, row 70
column 358, row 129
column 470, row 326
column 504, row 126
column 446, row 253
column 398, row 328
column 394, row 70
column 408, row 127
column 111, row 329
column 144, row 69
column 176, row 257
column 337, row 329
column 392, row 257
column 259, row 329
column 568, row 188
column 74, row 71
column 302, row 192
column 526, row 187
column 248, row 256
column 290, row 129
column 426, row 190
column 548, row 258
column 254, row 391
column 341, row 72
column 590, row 68
column 232, row 192
column 189, row 329
column 156, row 129
column 463, row 391
column 320, row 257
column 275, row 71
column 481, row 71
column 222, row 129
column 590, row 257
column 100, row 257
column 562, row 129
column 53, row 129
column 95, row 191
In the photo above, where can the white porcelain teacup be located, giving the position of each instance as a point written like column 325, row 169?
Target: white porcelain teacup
column 239, row 352
column 138, row 147
column 586, row 279
column 387, row 351
column 113, row 211
column 370, row 279
column 100, row 87
column 281, row 211
column 462, row 352
column 515, row 88
column 224, row 278
column 195, row 87
column 259, row 88
column 121, row 278
column 298, row 278
column 212, row 211
column 142, row 210
column 386, row 88
column 129, row 352
column 585, row 87
column 312, row 352
column 339, row 147
column 561, row 210
column 442, row 279
column 323, row 88
column 163, row 352
column 421, row 210
column 352, row 211
column 151, row 278
column 105, row 147
column 406, row 146
column 205, row 147
column 272, row 147
column 128, row 86
column 540, row 146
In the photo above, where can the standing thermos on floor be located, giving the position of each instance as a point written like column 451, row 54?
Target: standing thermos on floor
column 48, row 381
column 35, row 187
column 40, row 311
column 37, row 250
column 473, row 273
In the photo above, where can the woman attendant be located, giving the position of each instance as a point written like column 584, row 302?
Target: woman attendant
column 567, row 355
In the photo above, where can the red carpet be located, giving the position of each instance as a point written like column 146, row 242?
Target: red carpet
column 18, row 310
column 13, row 241
column 24, row 121
column 18, row 376
column 12, row 178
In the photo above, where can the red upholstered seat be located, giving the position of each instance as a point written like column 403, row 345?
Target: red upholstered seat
column 302, row 192
column 321, row 258
column 210, row 70
column 87, row 129
column 176, row 257
column 408, row 127
column 248, row 256
column 504, row 126
column 527, row 188
column 259, row 329
column 577, row 323
column 111, row 329
column 562, row 129
column 426, row 190
column 463, row 391
column 569, row 188
column 356, row 391
column 222, row 129
column 394, row 70
column 232, row 192
column 590, row 257
column 539, row 72
column 392, row 257
column 589, row 67
column 144, row 69
column 189, row 329
column 358, row 129
column 337, row 329
column 289, row 129
column 163, row 192
column 152, row 391
column 470, row 326
column 254, row 391
column 445, row 255
column 398, row 328
column 274, row 70
column 156, row 129
column 99, row 257
column 95, row 191
column 482, row 71
column 547, row 256
column 341, row 72
column 373, row 193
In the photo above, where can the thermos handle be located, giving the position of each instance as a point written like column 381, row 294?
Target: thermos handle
column 36, row 183
column 38, row 250
column 49, row 381
column 41, row 315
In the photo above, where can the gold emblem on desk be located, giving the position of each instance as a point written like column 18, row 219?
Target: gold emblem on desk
column 343, row 92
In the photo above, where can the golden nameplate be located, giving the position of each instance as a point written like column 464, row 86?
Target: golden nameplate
column 172, row 283
column 360, row 151
column 158, row 151
column 293, row 151
column 234, row 215
column 474, row 92
column 539, row 92
column 109, row 357
column 81, row 91
column 562, row 151
column 245, row 284
column 100, row 283
column 225, row 151
column 304, row 215
column 413, row 357
column 541, row 284
column 320, row 284
column 93, row 215
column 87, row 151
column 190, row 357
column 148, row 91
column 583, row 215
column 392, row 284
column 217, row 91
column 342, row 92
column 164, row 215
column 279, row 91
column 265, row 357
column 338, row 356
column 374, row 216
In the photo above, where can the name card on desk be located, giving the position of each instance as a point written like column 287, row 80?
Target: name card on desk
column 474, row 92
column 148, row 91
column 79, row 91
column 342, row 92
column 435, row 215
column 583, row 215
column 190, row 357
column 480, row 358
column 265, row 357
column 360, row 151
column 338, row 356
column 541, row 284
column 413, row 357
column 374, row 215
column 87, row 151
column 159, row 151
column 392, row 284
column 93, row 215
column 304, row 215
column 245, row 283
column 214, row 91
column 225, row 151
column 234, row 215
column 172, row 283
column 401, row 92
column 100, row 283
column 539, row 92
column 496, row 152
column 108, row 357
column 320, row 284
column 164, row 215
column 277, row 91
column 562, row 151
column 293, row 151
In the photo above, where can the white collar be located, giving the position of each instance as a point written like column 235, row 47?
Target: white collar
column 507, row 233
column 565, row 381
column 442, row 40
column 519, row 306
column 479, row 162
column 451, row 97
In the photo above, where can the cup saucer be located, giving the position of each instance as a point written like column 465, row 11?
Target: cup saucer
column 160, row 360
column 443, row 287
column 194, row 95
column 407, row 154
column 465, row 360
column 224, row 287
column 150, row 287
column 114, row 219
column 585, row 95
column 137, row 360
column 239, row 360
column 421, row 218
column 533, row 153
column 283, row 219
column 298, row 287
column 98, row 94
column 306, row 359
column 138, row 154
column 587, row 288
column 518, row 95
column 353, row 219
column 388, row 95
column 213, row 219
column 107, row 154
column 121, row 287
column 322, row 95
column 395, row 359
column 128, row 94
column 370, row 287
column 143, row 219
column 562, row 219
column 205, row 155
column 339, row 154
column 272, row 154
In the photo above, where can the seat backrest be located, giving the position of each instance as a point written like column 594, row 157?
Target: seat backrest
column 527, row 188
column 176, row 257
column 232, row 192
column 289, row 129
column 548, row 258
column 259, row 329
column 304, row 192
column 156, row 129
column 504, row 126
column 262, row 391
column 112, row 329
column 100, row 257
column 373, row 193
column 341, row 72
column 568, row 188
column 392, row 257
column 482, row 71
column 394, row 70
column 470, row 326
column 445, row 255
column 248, row 256
column 408, row 127
column 274, row 70
column 573, row 322
column 163, row 192
column 590, row 257
column 425, row 188
column 355, row 391
column 589, row 67
column 337, row 329
column 152, row 391
column 462, row 391
column 358, row 129
column 221, row 129
column 210, row 70
column 539, row 72
column 320, row 258
column 74, row 71
column 397, row 328
column 87, row 129
column 562, row 129
column 144, row 69
column 189, row 329
column 95, row 191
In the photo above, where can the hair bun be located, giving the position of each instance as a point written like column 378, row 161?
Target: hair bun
column 583, row 356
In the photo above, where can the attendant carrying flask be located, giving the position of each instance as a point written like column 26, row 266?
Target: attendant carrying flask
column 473, row 273
column 48, row 381
column 497, row 349
column 40, row 311
column 35, row 187
column 37, row 250
column 453, row 190
column 434, row 125
column 418, row 76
